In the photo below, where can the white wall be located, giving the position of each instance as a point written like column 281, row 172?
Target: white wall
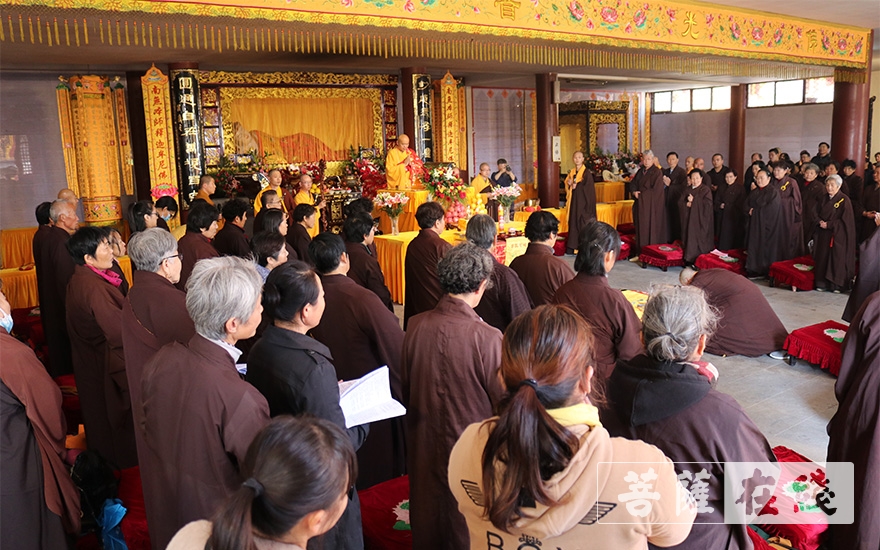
column 694, row 134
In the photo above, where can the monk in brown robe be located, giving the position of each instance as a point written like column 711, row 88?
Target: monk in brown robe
column 359, row 233
column 541, row 272
column 868, row 208
column 853, row 183
column 38, row 500
column 792, row 242
column 153, row 315
column 650, row 194
column 94, row 321
column 854, row 430
column 450, row 366
column 834, row 252
column 305, row 216
column 868, row 280
column 199, row 415
column 508, row 297
column 362, row 336
column 54, row 269
column 582, row 205
column 812, row 194
column 733, row 222
column 747, row 325
column 675, row 179
column 232, row 240
column 697, row 218
column 612, row 318
column 423, row 289
column 195, row 245
column 764, row 209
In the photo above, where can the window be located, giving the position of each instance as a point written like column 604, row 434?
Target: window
column 721, row 98
column 24, row 153
column 761, row 95
column 791, row 92
column 819, row 90
column 701, row 99
column 681, row 101
column 662, row 102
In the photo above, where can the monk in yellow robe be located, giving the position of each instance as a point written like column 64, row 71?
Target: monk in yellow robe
column 397, row 163
column 304, row 195
column 580, row 199
column 207, row 187
column 481, row 181
column 274, row 185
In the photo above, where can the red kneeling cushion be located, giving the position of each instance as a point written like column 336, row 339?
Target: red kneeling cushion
column 813, row 345
column 627, row 229
column 786, row 273
column 134, row 523
column 662, row 255
column 383, row 528
column 624, row 251
column 736, row 261
column 559, row 246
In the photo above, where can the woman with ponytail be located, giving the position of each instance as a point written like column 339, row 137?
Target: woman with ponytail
column 667, row 398
column 142, row 215
column 298, row 473
column 545, row 471
column 295, row 374
column 612, row 318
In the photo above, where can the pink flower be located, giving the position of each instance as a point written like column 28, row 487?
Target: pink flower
column 609, row 15
column 709, row 19
column 735, row 31
column 639, row 18
column 590, row 24
column 409, row 6
column 347, row 3
column 537, row 17
column 476, row 9
column 777, row 36
column 629, row 28
column 757, row 34
column 577, row 12
column 671, row 14
column 841, row 44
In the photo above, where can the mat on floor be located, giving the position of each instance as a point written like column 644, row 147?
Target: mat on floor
column 818, row 344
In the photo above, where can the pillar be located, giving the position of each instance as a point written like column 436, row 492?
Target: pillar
column 548, row 126
column 408, row 100
column 849, row 122
column 737, row 152
column 186, row 109
column 138, row 135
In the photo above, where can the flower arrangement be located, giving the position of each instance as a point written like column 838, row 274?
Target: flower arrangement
column 416, row 167
column 250, row 162
column 372, row 178
column 506, row 195
column 446, row 185
column 391, row 203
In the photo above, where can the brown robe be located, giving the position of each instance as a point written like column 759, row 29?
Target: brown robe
column 54, row 268
column 94, row 321
column 812, row 195
column 614, row 322
column 507, row 298
column 194, row 247
column 868, row 280
column 420, row 273
column 232, row 241
column 38, row 500
column 855, row 185
column 854, row 430
column 696, row 222
column 870, row 203
column 677, row 184
column 733, row 224
column 651, row 205
column 765, row 228
column 298, row 237
column 362, row 335
column 834, row 251
column 792, row 234
column 199, row 419
column 582, row 208
column 541, row 272
column 747, row 324
column 450, row 364
column 365, row 270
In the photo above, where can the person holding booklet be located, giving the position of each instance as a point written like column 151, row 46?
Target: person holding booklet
column 295, row 374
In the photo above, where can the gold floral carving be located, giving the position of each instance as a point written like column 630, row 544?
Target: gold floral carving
column 595, row 119
column 580, row 121
column 300, row 78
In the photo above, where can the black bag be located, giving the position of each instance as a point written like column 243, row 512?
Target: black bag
column 94, row 477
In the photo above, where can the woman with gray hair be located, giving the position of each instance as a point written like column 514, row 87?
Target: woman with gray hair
column 667, row 398
column 199, row 415
column 834, row 241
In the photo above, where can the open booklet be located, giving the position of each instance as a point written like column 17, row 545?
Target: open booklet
column 368, row 399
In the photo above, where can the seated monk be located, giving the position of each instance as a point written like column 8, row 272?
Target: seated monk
column 747, row 325
column 397, row 164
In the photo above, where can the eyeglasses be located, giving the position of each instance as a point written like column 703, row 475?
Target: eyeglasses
column 179, row 256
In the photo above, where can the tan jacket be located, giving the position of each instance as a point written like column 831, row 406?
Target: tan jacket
column 579, row 522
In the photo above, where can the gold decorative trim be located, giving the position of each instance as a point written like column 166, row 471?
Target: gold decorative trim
column 595, row 119
column 647, row 121
column 579, row 120
column 298, row 78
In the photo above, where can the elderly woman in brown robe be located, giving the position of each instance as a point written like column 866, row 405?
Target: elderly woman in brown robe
column 812, row 194
column 94, row 321
column 834, row 251
column 791, row 237
column 697, row 217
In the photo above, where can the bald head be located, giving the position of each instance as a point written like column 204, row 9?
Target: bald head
column 403, row 142
column 68, row 195
column 687, row 275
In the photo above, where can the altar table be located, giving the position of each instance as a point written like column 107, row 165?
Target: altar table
column 391, row 254
column 612, row 213
column 17, row 246
column 610, row 191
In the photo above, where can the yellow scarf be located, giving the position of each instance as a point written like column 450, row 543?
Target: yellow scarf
column 582, row 413
column 580, row 173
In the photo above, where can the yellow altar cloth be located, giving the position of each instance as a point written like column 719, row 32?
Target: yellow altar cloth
column 609, row 191
column 16, row 246
column 407, row 220
column 612, row 213
column 391, row 254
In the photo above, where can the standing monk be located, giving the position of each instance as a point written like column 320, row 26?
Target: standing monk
column 792, row 237
column 649, row 191
column 423, row 291
column 834, row 251
column 450, row 380
column 868, row 208
column 304, row 196
column 274, row 185
column 868, row 281
column 764, row 238
column 854, row 430
column 812, row 193
column 675, row 179
column 397, row 164
column 54, row 269
column 695, row 206
column 733, row 222
column 580, row 201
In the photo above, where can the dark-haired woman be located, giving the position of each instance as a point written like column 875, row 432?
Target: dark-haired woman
column 276, row 221
column 295, row 374
column 94, row 322
column 666, row 398
column 545, row 470
column 167, row 208
column 195, row 245
column 614, row 321
column 142, row 215
column 733, row 223
column 297, row 476
column 697, row 217
column 764, row 238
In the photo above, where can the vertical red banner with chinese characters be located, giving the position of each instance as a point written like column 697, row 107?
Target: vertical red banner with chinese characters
column 160, row 144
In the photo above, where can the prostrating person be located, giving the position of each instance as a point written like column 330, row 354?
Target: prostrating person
column 747, row 325
column 450, row 367
column 544, row 473
column 362, row 335
column 581, row 199
column 697, row 222
column 667, row 398
column 613, row 320
column 834, row 252
column 541, row 272
column 199, row 415
column 854, row 428
column 423, row 289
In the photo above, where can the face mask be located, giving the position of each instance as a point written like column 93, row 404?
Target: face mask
column 166, row 217
column 6, row 322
